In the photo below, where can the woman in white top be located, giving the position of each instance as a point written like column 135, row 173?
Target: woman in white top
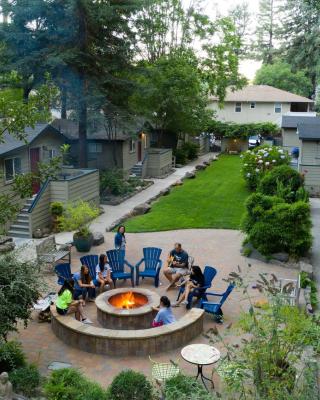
column 103, row 273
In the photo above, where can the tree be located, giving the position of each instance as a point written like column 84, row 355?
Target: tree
column 281, row 76
column 241, row 18
column 300, row 37
column 20, row 285
column 267, row 29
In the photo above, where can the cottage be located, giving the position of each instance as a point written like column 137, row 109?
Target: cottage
column 290, row 121
column 309, row 158
column 17, row 156
column 258, row 103
column 127, row 148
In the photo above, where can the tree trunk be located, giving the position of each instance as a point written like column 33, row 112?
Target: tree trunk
column 63, row 102
column 26, row 92
column 82, row 109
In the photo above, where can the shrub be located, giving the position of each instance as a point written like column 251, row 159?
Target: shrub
column 184, row 387
column 130, row 385
column 76, row 217
column 20, row 284
column 25, row 380
column 112, row 182
column 282, row 181
column 257, row 162
column 306, row 281
column 11, row 356
column 231, row 129
column 181, row 156
column 56, row 208
column 191, row 150
column 70, row 384
column 280, row 227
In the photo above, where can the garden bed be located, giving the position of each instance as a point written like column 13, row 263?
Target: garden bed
column 114, row 200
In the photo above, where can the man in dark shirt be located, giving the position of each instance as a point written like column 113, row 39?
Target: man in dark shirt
column 177, row 265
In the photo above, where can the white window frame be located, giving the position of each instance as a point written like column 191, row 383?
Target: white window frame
column 52, row 153
column 13, row 169
column 278, row 106
column 94, row 148
column 254, row 104
column 238, row 105
column 132, row 145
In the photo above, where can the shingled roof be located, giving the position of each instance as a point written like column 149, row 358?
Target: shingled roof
column 292, row 121
column 263, row 94
column 308, row 131
column 11, row 143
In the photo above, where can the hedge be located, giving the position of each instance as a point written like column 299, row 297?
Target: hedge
column 230, row 129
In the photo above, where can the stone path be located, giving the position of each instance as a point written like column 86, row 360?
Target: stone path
column 218, row 248
column 315, row 215
column 114, row 213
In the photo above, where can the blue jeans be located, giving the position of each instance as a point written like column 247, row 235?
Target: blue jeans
column 91, row 292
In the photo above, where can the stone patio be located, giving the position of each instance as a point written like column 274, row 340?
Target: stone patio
column 218, row 248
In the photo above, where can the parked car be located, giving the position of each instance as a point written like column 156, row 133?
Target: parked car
column 254, row 141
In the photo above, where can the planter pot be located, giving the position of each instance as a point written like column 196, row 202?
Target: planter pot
column 83, row 244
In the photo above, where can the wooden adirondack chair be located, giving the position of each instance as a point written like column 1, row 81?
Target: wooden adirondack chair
column 152, row 265
column 117, row 263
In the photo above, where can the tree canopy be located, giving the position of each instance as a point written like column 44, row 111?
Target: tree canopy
column 281, row 76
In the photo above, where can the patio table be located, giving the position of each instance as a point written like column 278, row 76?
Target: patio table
column 200, row 355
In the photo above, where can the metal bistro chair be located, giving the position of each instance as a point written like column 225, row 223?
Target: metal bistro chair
column 117, row 263
column 63, row 272
column 152, row 263
column 162, row 371
column 91, row 261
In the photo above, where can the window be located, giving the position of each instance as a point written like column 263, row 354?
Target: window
column 12, row 167
column 277, row 108
column 52, row 153
column 252, row 105
column 95, row 148
column 132, row 146
column 238, row 107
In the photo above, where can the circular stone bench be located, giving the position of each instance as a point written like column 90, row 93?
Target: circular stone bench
column 127, row 342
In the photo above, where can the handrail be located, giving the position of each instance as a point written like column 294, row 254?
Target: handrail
column 39, row 194
column 145, row 157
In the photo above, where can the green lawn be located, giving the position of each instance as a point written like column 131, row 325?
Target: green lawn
column 215, row 199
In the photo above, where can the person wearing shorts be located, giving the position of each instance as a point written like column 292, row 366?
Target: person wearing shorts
column 177, row 265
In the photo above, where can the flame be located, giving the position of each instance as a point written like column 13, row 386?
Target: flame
column 128, row 300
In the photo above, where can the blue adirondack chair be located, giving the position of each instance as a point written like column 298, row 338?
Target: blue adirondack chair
column 63, row 271
column 91, row 261
column 215, row 308
column 117, row 263
column 152, row 263
column 209, row 274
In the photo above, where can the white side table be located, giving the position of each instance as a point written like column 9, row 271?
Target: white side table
column 200, row 355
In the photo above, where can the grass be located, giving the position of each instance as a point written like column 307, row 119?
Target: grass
column 215, row 199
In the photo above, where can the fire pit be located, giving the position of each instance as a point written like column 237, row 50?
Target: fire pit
column 127, row 309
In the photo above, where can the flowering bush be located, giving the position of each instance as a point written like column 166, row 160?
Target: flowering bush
column 260, row 160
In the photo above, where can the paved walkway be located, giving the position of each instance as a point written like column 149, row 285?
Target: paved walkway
column 315, row 215
column 114, row 213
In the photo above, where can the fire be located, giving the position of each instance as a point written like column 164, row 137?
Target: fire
column 128, row 300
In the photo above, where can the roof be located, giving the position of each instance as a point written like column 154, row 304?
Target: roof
column 292, row 121
column 125, row 130
column 309, row 131
column 11, row 143
column 263, row 94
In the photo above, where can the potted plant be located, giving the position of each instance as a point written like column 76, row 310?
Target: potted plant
column 76, row 217
column 56, row 210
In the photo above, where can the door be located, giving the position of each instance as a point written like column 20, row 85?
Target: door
column 34, row 160
column 139, row 151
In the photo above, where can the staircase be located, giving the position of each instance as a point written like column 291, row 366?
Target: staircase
column 21, row 227
column 137, row 170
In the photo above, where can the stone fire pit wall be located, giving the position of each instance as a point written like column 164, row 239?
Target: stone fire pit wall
column 116, row 318
column 122, row 343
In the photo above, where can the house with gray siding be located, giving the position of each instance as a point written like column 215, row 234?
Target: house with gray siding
column 258, row 103
column 289, row 123
column 309, row 158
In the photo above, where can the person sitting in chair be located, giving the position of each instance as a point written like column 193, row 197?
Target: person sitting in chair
column 196, row 281
column 103, row 273
column 177, row 265
column 83, row 284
